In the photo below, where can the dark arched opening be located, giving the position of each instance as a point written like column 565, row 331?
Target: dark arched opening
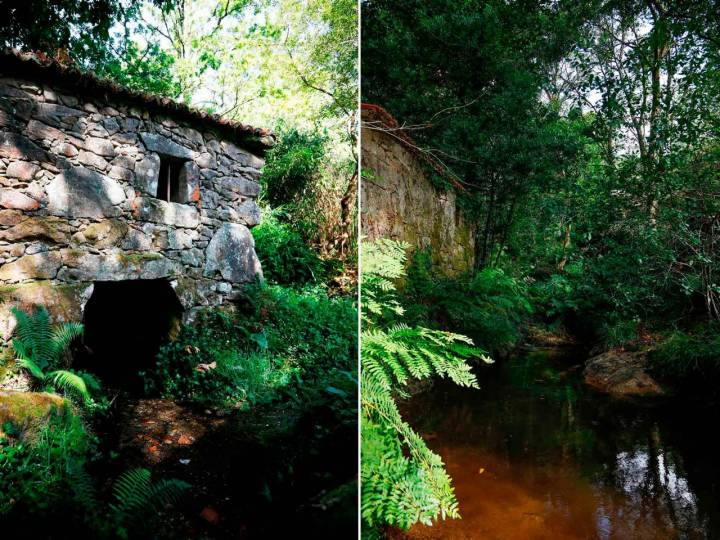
column 126, row 323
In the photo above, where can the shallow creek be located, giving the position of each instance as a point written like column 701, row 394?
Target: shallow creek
column 535, row 454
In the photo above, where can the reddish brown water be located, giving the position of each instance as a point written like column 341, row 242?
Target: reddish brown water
column 535, row 455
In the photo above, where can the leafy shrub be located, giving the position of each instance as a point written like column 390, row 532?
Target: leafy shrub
column 491, row 306
column 690, row 356
column 187, row 368
column 402, row 480
column 286, row 259
column 291, row 165
column 281, row 336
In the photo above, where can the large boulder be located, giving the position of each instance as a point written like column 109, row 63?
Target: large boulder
column 231, row 253
column 622, row 373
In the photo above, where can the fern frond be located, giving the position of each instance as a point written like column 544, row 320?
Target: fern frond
column 132, row 491
column 26, row 363
column 62, row 337
column 135, row 494
column 68, row 381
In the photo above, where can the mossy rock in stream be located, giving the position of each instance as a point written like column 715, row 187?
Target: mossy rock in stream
column 622, row 373
column 29, row 412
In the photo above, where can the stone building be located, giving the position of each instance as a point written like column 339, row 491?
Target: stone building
column 132, row 205
column 399, row 200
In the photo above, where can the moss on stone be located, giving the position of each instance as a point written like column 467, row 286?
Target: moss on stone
column 138, row 258
column 28, row 412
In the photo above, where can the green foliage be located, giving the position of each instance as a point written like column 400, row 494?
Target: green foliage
column 136, row 502
column 46, row 25
column 40, row 347
column 491, row 306
column 690, row 356
column 403, row 482
column 147, row 70
column 282, row 336
column 291, row 166
column 286, row 258
column 199, row 364
column 34, row 476
column 139, row 499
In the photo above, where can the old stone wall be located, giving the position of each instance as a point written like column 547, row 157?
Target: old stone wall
column 400, row 202
column 79, row 201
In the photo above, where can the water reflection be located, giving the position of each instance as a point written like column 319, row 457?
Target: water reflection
column 535, row 455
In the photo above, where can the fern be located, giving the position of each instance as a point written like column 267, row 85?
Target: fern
column 69, row 382
column 137, row 496
column 403, row 481
column 137, row 500
column 39, row 346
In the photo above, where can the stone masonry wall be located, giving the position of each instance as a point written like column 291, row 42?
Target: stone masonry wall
column 78, row 186
column 399, row 202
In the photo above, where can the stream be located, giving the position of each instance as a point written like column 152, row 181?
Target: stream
column 534, row 454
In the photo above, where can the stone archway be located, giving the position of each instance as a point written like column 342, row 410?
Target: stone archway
column 126, row 323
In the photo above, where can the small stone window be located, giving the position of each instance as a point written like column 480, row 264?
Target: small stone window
column 172, row 181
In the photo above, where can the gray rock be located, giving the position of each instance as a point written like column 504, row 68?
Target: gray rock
column 53, row 114
column 36, row 247
column 16, row 146
column 82, row 266
column 22, row 170
column 249, row 213
column 205, row 161
column 235, row 186
column 70, row 101
column 92, row 160
column 241, row 156
column 146, row 174
column 129, row 124
column 97, row 130
column 99, row 146
column 124, row 161
column 191, row 257
column 38, row 266
column 111, row 125
column 622, row 373
column 191, row 135
column 231, row 253
column 136, row 240
column 180, row 238
column 38, row 130
column 163, row 145
column 223, row 287
column 120, row 173
column 49, row 95
column 80, row 192
column 157, row 211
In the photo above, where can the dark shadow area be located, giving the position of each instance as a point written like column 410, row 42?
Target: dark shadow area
column 245, row 469
column 126, row 322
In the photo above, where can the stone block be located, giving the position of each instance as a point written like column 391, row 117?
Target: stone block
column 80, row 192
column 14, row 199
column 163, row 145
column 157, row 211
column 16, row 146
